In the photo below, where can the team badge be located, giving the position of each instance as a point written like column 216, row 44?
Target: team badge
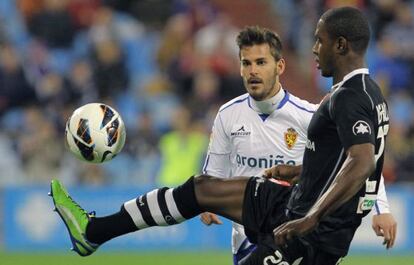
column 361, row 127
column 290, row 137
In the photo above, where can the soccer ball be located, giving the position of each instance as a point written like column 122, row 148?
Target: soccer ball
column 95, row 133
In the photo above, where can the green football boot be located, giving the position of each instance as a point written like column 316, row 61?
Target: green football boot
column 75, row 218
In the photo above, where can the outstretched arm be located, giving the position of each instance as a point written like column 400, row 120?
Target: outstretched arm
column 359, row 164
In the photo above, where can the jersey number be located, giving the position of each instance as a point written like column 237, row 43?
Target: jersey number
column 382, row 132
column 277, row 258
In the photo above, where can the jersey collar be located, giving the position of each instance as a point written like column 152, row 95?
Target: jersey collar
column 349, row 76
column 269, row 105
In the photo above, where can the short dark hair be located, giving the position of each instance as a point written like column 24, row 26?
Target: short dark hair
column 254, row 35
column 350, row 23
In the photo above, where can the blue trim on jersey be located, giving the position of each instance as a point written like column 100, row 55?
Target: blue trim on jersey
column 300, row 107
column 377, row 208
column 284, row 100
column 243, row 252
column 263, row 116
column 206, row 164
column 235, row 102
column 248, row 102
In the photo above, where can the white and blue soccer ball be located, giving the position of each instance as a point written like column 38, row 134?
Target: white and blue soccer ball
column 95, row 133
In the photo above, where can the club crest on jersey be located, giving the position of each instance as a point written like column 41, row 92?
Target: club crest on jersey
column 361, row 127
column 290, row 137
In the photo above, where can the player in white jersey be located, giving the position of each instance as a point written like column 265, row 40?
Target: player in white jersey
column 262, row 128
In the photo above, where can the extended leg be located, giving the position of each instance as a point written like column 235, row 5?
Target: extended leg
column 160, row 207
column 221, row 196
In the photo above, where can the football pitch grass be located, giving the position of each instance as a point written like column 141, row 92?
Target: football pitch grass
column 167, row 258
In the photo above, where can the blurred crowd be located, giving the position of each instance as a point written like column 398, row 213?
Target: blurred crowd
column 167, row 66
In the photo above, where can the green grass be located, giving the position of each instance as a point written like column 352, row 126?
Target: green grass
column 379, row 260
column 203, row 258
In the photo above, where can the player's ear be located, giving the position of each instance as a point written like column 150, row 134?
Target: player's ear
column 280, row 66
column 341, row 45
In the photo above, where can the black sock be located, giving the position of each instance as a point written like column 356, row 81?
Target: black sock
column 102, row 229
column 184, row 197
column 160, row 207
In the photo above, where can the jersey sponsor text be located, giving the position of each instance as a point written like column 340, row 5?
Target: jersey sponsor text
column 310, row 145
column 263, row 162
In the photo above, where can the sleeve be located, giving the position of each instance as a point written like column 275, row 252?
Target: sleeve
column 217, row 165
column 352, row 114
column 217, row 161
column 381, row 204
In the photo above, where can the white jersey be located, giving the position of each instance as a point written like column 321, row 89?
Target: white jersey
column 244, row 142
column 252, row 141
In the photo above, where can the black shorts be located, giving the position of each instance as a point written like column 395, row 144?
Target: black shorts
column 264, row 209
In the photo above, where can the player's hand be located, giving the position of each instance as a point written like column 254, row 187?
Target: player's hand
column 210, row 218
column 300, row 227
column 279, row 171
column 283, row 172
column 385, row 225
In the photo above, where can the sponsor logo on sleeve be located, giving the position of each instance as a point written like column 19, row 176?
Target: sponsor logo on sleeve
column 366, row 203
column 241, row 130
